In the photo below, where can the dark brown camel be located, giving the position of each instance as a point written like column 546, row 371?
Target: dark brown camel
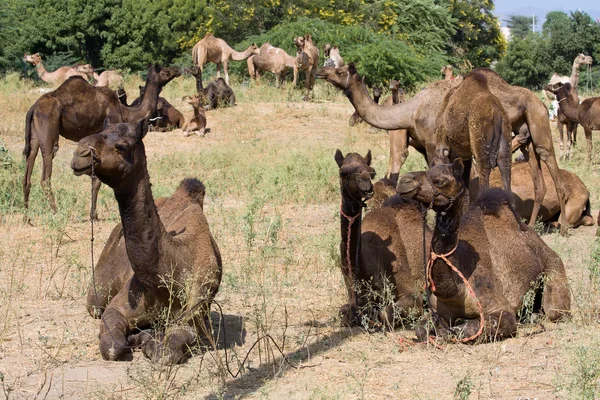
column 498, row 256
column 166, row 116
column 380, row 251
column 76, row 110
column 216, row 94
column 473, row 125
column 176, row 263
column 355, row 119
column 587, row 114
column 527, row 113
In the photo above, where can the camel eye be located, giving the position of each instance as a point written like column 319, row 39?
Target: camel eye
column 121, row 148
column 440, row 182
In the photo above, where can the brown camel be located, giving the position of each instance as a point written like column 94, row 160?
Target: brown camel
column 217, row 94
column 61, row 74
column 578, row 197
column 381, row 251
column 355, row 119
column 307, row 59
column 474, row 125
column 212, row 49
column 176, row 267
column 196, row 124
column 76, row 110
column 481, row 246
column 274, row 60
column 398, row 96
column 166, row 117
column 580, row 60
column 527, row 113
column 110, row 78
column 448, row 72
column 332, row 56
column 587, row 114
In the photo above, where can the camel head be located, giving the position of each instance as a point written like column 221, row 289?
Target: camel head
column 439, row 186
column 33, row 59
column 195, row 101
column 583, row 59
column 115, row 153
column 356, row 174
column 340, row 77
column 193, row 70
column 326, row 50
column 87, row 69
column 299, row 42
column 377, row 91
column 394, row 84
column 161, row 75
column 559, row 89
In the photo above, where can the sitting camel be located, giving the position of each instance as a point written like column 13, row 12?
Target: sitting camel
column 587, row 114
column 474, row 125
column 578, row 197
column 196, row 124
column 274, row 60
column 108, row 78
column 217, row 94
column 76, row 110
column 355, row 119
column 61, row 74
column 166, row 117
column 176, row 263
column 307, row 59
column 332, row 56
column 380, row 251
column 474, row 274
column 212, row 49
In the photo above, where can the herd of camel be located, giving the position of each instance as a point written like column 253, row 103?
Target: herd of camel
column 162, row 255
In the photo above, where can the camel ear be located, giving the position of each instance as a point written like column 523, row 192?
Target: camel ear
column 567, row 86
column 352, row 68
column 157, row 67
column 339, row 158
column 458, row 168
column 368, row 158
column 141, row 129
column 106, row 123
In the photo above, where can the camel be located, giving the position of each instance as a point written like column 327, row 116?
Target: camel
column 61, row 74
column 527, row 113
column 217, row 94
column 197, row 124
column 480, row 245
column 355, row 119
column 307, row 58
column 398, row 96
column 577, row 206
column 587, row 114
column 122, row 96
column 274, row 60
column 176, row 267
column 448, row 72
column 109, row 78
column 580, row 60
column 75, row 110
column 474, row 125
column 381, row 247
column 332, row 56
column 212, row 49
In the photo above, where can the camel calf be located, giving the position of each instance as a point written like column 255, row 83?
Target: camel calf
column 197, row 124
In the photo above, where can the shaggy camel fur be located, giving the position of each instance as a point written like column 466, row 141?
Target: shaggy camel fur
column 196, row 124
column 76, row 110
column 355, row 118
column 176, row 263
column 380, row 251
column 578, row 197
column 217, row 94
column 332, row 56
column 212, row 49
column 527, row 113
column 274, row 60
column 473, row 125
column 587, row 114
column 481, row 245
column 61, row 74
column 307, row 59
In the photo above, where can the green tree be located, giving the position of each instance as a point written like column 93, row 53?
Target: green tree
column 525, row 62
column 520, row 25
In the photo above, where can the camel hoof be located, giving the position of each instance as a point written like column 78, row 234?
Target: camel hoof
column 348, row 315
column 422, row 329
column 564, row 231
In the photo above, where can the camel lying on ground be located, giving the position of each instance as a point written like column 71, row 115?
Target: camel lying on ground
column 332, row 56
column 380, row 252
column 109, row 78
column 307, row 59
column 176, row 262
column 217, row 94
column 61, row 74
column 587, row 114
column 196, row 124
column 166, row 117
column 526, row 112
column 212, row 49
column 355, row 119
column 274, row 60
column 501, row 259
column 76, row 110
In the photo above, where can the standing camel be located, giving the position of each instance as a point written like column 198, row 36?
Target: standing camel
column 212, row 49
column 274, row 60
column 580, row 60
column 75, row 110
column 355, row 118
column 332, row 56
column 526, row 112
column 61, row 74
column 176, row 263
column 307, row 59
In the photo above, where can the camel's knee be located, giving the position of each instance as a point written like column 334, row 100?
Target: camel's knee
column 407, row 306
column 171, row 349
column 556, row 301
column 500, row 325
column 113, row 336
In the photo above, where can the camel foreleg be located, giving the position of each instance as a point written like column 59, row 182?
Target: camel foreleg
column 539, row 186
column 29, row 163
column 398, row 153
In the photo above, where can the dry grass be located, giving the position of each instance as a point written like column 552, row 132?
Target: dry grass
column 272, row 204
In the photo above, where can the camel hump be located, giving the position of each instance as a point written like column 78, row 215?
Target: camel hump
column 492, row 201
column 192, row 188
column 478, row 77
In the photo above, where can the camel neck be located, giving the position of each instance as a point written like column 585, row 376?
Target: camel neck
column 144, row 232
column 575, row 74
column 376, row 99
column 569, row 106
column 350, row 229
column 41, row 71
column 199, row 87
column 241, row 55
column 147, row 106
column 395, row 98
column 399, row 116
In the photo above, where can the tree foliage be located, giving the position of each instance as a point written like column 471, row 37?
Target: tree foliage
column 520, row 25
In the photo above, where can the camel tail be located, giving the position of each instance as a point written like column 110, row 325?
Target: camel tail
column 28, row 120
